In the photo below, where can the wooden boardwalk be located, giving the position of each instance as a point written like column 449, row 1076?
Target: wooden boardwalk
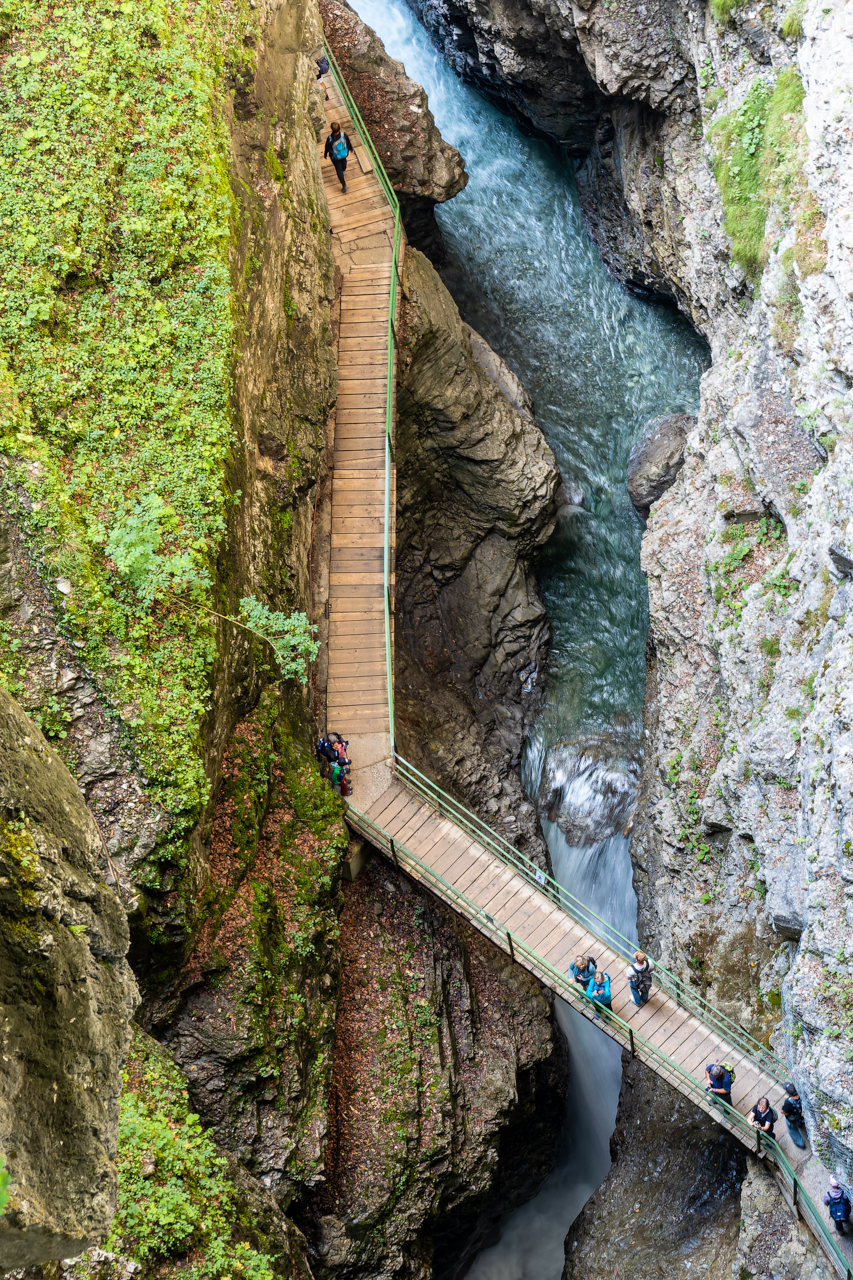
column 357, row 694
column 357, row 690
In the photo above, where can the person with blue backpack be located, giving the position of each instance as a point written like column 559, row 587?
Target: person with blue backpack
column 838, row 1203
column 338, row 147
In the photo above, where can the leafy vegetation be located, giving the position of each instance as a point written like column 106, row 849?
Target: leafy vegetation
column 174, row 1197
column 115, row 341
column 760, row 149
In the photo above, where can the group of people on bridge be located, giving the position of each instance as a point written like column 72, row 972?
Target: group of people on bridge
column 719, row 1076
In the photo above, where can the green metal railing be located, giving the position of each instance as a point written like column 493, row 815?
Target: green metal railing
column 489, row 925
column 615, row 1026
column 396, row 244
column 682, row 993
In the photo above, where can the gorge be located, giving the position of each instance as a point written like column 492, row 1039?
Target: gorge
column 364, row 1086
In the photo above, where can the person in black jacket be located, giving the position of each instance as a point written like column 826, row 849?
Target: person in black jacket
column 338, row 147
column 792, row 1110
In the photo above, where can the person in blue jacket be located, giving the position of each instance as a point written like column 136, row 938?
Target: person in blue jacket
column 599, row 990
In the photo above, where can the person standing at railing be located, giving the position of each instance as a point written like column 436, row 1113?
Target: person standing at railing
column 599, row 991
column 639, row 975
column 792, row 1110
column 338, row 147
column 322, row 68
column 838, row 1203
column 763, row 1117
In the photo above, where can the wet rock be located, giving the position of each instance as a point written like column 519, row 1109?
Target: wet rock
column 68, row 997
column 670, row 1204
column 657, row 459
column 476, row 487
column 772, row 1240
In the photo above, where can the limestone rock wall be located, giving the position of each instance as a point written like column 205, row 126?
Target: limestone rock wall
column 68, row 996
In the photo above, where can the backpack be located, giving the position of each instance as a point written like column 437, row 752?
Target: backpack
column 795, row 1109
column 325, row 750
column 641, row 979
column 727, row 1066
column 339, row 146
column 839, row 1207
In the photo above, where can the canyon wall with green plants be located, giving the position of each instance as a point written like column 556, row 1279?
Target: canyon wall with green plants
column 168, row 309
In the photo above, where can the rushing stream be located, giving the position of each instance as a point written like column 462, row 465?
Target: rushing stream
column 598, row 364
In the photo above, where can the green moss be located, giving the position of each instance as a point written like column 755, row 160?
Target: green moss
column 176, row 1208
column 116, row 342
column 760, row 149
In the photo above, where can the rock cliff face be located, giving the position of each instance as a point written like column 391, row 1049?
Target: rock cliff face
column 714, row 160
column 476, row 487
column 449, row 1090
column 68, row 997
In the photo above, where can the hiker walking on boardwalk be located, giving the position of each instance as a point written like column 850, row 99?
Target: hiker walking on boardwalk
column 720, row 1080
column 599, row 990
column 582, row 969
column 764, row 1117
column 322, row 68
column 792, row 1110
column 639, row 975
column 838, row 1203
column 338, row 147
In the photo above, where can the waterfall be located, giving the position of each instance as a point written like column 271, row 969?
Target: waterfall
column 599, row 364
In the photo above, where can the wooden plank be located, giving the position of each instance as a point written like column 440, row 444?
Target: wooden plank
column 377, row 227
column 363, row 539
column 389, row 804
column 376, row 340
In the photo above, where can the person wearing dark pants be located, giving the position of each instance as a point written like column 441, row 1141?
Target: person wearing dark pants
column 838, row 1203
column 792, row 1110
column 338, row 147
column 719, row 1082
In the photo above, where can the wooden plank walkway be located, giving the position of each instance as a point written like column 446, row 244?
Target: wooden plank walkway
column 516, row 905
column 362, row 242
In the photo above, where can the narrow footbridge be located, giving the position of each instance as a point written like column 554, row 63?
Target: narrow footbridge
column 427, row 833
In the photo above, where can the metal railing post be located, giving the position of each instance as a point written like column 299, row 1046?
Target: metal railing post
column 509, row 940
column 394, row 854
column 631, row 1038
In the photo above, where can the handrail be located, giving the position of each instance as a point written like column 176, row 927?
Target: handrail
column 489, row 925
column 634, row 1041
column 391, row 197
column 587, row 918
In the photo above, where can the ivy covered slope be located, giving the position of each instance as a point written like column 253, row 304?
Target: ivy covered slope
column 165, row 373
column 185, row 1206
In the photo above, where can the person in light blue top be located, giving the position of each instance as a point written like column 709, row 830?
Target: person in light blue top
column 582, row 970
column 599, row 990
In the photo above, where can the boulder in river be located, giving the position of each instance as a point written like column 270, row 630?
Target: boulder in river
column 657, row 458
